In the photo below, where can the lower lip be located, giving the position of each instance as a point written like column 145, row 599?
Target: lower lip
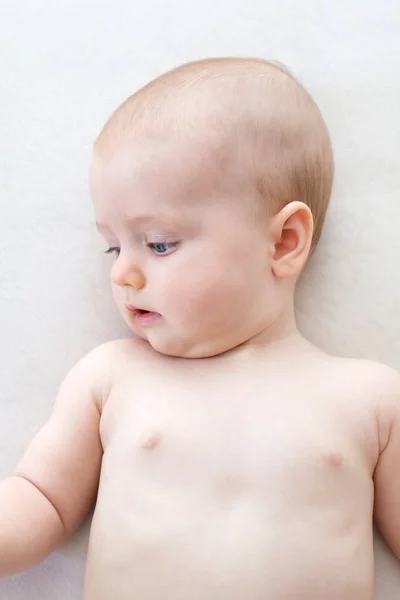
column 145, row 319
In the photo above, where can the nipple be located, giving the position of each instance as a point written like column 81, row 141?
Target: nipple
column 333, row 458
column 150, row 440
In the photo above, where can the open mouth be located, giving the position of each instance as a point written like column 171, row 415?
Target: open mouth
column 134, row 310
column 139, row 312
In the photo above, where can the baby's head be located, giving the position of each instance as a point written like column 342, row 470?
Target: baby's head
column 212, row 184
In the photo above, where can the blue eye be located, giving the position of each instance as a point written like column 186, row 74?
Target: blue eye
column 113, row 249
column 159, row 246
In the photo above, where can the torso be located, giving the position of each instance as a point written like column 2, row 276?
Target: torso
column 222, row 478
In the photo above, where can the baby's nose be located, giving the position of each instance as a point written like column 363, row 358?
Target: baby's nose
column 123, row 274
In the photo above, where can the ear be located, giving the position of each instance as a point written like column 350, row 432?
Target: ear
column 291, row 232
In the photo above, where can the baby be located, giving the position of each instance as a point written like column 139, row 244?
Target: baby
column 228, row 458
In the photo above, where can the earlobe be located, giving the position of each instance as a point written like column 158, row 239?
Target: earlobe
column 291, row 231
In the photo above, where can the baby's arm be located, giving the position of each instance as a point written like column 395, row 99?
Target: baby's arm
column 387, row 472
column 55, row 483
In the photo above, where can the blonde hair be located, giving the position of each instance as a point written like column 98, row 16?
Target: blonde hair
column 249, row 106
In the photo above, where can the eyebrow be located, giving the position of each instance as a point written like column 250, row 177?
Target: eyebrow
column 145, row 218
column 139, row 219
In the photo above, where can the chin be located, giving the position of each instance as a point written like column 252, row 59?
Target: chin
column 187, row 350
column 179, row 349
column 167, row 349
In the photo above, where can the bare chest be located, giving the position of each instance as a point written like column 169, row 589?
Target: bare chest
column 231, row 437
column 213, row 480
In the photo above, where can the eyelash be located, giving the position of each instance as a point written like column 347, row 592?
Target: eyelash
column 151, row 245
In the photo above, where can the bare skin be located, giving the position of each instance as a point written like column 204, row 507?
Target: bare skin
column 243, row 476
column 229, row 457
column 248, row 476
column 244, row 465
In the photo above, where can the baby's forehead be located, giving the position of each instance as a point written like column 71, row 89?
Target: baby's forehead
column 186, row 161
column 178, row 182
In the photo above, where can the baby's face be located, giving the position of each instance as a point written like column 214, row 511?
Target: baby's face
column 186, row 246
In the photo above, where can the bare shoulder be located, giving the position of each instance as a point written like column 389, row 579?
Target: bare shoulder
column 366, row 383
column 116, row 354
column 369, row 374
column 103, row 364
column 116, row 350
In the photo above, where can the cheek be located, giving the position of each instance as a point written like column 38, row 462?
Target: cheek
column 204, row 288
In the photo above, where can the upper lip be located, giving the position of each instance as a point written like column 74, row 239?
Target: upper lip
column 134, row 308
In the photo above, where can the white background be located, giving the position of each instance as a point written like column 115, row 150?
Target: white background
column 64, row 66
